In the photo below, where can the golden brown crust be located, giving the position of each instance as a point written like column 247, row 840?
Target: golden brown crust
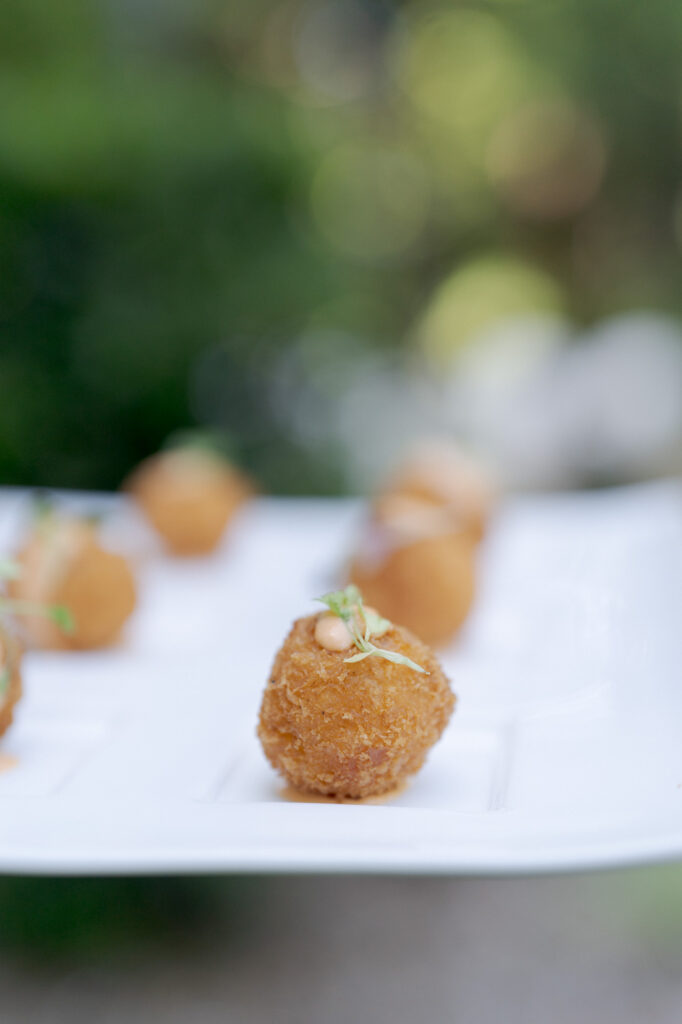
column 351, row 730
column 9, row 699
column 427, row 584
column 189, row 510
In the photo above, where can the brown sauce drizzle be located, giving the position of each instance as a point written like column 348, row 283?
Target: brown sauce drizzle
column 299, row 797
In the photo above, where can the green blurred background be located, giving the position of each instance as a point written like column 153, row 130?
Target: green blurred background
column 211, row 213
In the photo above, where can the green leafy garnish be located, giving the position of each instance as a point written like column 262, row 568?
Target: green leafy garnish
column 62, row 617
column 362, row 624
column 58, row 613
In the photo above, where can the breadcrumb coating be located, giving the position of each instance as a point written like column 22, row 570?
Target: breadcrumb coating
column 351, row 730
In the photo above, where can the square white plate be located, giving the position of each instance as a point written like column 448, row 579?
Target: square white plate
column 565, row 751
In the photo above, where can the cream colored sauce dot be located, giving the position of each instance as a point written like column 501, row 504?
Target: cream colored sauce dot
column 332, row 633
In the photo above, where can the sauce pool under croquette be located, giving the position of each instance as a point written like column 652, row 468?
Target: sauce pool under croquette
column 353, row 721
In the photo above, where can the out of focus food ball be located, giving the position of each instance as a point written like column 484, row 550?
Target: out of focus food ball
column 416, row 563
column 189, row 495
column 443, row 474
column 63, row 564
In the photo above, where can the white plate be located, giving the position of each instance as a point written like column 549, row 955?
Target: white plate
column 565, row 751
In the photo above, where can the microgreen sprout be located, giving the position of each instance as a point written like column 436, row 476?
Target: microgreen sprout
column 57, row 613
column 362, row 624
column 213, row 443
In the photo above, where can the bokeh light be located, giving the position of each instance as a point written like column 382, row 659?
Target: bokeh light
column 335, row 44
column 628, row 372
column 188, row 190
column 478, row 295
column 547, row 159
column 465, row 70
column 371, row 201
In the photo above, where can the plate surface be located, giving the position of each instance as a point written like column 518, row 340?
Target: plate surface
column 564, row 752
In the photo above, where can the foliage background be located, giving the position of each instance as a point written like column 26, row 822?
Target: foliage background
column 187, row 189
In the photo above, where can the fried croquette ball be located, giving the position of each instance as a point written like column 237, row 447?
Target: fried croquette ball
column 442, row 474
column 63, row 564
column 189, row 495
column 351, row 729
column 10, row 682
column 419, row 567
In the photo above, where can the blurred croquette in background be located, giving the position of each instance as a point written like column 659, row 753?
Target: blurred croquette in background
column 325, row 226
column 324, row 229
